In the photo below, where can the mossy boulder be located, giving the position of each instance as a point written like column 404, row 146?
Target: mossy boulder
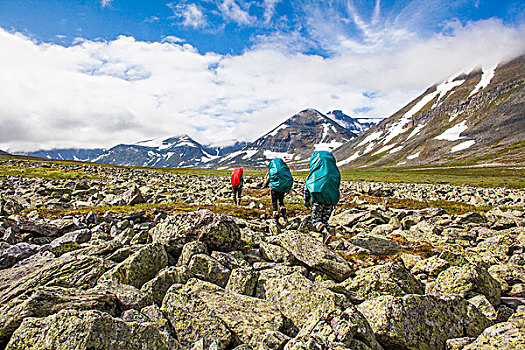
column 431, row 267
column 376, row 245
column 139, row 268
column 83, row 330
column 298, row 298
column 315, row 254
column 157, row 287
column 219, row 232
column 45, row 301
column 202, row 310
column 243, row 280
column 388, row 279
column 421, row 322
column 507, row 275
column 466, row 281
column 206, row 268
column 68, row 271
column 508, row 335
column 272, row 270
column 336, row 330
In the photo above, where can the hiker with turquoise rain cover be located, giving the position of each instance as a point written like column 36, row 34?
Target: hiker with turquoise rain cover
column 280, row 180
column 322, row 188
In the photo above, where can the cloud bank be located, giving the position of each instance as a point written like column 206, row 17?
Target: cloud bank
column 102, row 93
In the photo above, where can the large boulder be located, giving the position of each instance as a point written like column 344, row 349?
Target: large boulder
column 219, row 232
column 83, row 330
column 45, row 301
column 206, row 268
column 421, row 322
column 157, row 287
column 376, row 245
column 315, row 254
column 203, row 311
column 388, row 279
column 508, row 335
column 68, row 271
column 298, row 298
column 10, row 255
column 336, row 330
column 139, row 267
column 466, row 281
column 130, row 196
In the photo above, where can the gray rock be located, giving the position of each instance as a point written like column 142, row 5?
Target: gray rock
column 315, row 254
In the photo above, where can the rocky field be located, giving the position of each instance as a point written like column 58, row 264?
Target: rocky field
column 94, row 257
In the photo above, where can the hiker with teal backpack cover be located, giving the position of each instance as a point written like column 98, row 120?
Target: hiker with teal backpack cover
column 280, row 180
column 322, row 188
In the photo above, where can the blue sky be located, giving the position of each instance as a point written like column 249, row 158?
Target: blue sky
column 98, row 72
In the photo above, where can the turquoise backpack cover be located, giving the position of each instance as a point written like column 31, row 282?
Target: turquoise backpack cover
column 281, row 179
column 324, row 178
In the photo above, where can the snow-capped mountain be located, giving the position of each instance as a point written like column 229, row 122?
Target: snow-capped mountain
column 2, row 152
column 355, row 125
column 474, row 118
column 80, row 154
column 175, row 152
column 293, row 140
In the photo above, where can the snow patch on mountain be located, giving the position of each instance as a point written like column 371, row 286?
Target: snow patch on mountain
column 486, row 77
column 462, row 146
column 452, row 134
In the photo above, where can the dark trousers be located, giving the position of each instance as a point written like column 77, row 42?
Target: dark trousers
column 278, row 201
column 237, row 191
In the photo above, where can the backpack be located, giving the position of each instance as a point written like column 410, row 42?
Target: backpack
column 236, row 177
column 281, row 179
column 324, row 178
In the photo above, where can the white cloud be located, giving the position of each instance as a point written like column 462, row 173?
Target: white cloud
column 99, row 94
column 106, row 2
column 269, row 9
column 233, row 12
column 191, row 15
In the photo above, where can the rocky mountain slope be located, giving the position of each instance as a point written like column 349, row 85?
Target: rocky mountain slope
column 3, row 152
column 355, row 125
column 293, row 140
column 474, row 118
column 81, row 154
column 150, row 279
column 175, row 152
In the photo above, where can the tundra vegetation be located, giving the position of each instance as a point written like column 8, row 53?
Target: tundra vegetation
column 112, row 257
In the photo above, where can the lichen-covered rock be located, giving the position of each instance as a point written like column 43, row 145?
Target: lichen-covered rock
column 507, row 275
column 430, row 267
column 388, row 279
column 508, row 335
column 271, row 270
column 219, row 232
column 466, row 281
column 336, row 330
column 243, row 280
column 130, row 196
column 315, row 254
column 155, row 315
column 482, row 304
column 157, row 287
column 139, row 267
column 68, row 271
column 189, row 250
column 496, row 249
column 68, row 242
column 129, row 296
column 208, row 269
column 10, row 255
column 45, row 301
column 83, row 330
column 298, row 298
column 202, row 310
column 376, row 245
column 276, row 253
column 421, row 322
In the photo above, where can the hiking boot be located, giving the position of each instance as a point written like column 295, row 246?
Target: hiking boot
column 283, row 214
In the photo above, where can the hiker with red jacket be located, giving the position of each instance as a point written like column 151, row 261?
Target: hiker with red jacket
column 237, row 181
column 280, row 180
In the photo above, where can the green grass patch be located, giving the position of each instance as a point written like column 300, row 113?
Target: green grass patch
column 43, row 173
